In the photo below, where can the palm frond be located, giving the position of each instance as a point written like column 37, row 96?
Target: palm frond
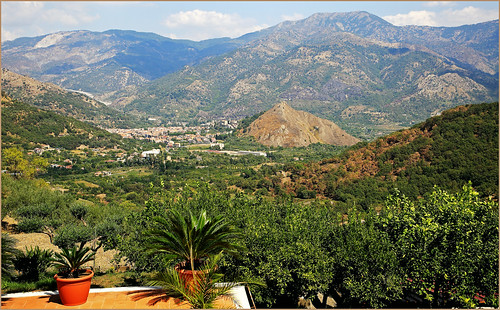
column 71, row 260
column 192, row 237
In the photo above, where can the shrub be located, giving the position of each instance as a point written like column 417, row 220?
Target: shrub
column 68, row 236
column 8, row 254
column 32, row 263
column 30, row 224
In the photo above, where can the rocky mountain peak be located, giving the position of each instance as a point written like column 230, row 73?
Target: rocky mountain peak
column 284, row 126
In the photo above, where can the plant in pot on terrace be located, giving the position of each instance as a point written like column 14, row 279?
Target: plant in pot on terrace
column 192, row 239
column 203, row 295
column 73, row 280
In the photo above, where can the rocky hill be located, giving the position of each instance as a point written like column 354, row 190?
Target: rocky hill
column 336, row 66
column 103, row 62
column 51, row 97
column 284, row 126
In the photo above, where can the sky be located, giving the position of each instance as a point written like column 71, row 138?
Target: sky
column 200, row 20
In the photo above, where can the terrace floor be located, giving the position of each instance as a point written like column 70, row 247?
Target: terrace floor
column 117, row 298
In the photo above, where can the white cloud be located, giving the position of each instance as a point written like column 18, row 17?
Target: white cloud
column 9, row 35
column 200, row 25
column 447, row 17
column 36, row 18
column 68, row 18
column 433, row 4
column 20, row 13
column 467, row 15
column 420, row 18
column 294, row 16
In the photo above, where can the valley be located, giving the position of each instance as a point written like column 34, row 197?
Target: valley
column 330, row 144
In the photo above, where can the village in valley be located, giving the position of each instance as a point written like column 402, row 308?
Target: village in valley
column 175, row 136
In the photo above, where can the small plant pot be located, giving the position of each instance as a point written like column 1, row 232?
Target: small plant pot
column 74, row 291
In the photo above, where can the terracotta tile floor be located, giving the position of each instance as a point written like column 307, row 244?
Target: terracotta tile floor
column 106, row 300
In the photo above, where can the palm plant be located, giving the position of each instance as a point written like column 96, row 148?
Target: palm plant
column 33, row 262
column 203, row 293
column 70, row 261
column 192, row 238
column 9, row 253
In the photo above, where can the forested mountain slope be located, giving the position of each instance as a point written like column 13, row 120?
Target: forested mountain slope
column 27, row 126
column 449, row 150
column 54, row 98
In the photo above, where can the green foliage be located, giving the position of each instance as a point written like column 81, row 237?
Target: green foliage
column 45, row 283
column 9, row 253
column 365, row 263
column 79, row 210
column 71, row 260
column 32, row 263
column 363, row 260
column 284, row 240
column 15, row 162
column 20, row 192
column 447, row 243
column 69, row 235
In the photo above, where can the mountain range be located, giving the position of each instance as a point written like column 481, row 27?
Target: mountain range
column 356, row 69
column 103, row 62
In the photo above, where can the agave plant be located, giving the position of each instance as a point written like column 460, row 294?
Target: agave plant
column 192, row 238
column 205, row 291
column 70, row 261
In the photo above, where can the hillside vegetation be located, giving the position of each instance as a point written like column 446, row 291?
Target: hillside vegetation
column 28, row 126
column 449, row 150
column 53, row 98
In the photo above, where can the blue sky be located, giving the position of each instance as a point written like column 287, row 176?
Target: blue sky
column 199, row 20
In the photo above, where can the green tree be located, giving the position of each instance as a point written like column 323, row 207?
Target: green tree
column 448, row 245
column 32, row 263
column 365, row 263
column 14, row 161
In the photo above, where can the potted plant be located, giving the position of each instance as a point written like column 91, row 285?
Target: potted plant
column 204, row 294
column 73, row 281
column 191, row 239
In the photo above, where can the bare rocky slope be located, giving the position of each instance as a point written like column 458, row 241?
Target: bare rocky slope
column 287, row 127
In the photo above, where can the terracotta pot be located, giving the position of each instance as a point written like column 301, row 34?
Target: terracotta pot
column 74, row 291
column 187, row 274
